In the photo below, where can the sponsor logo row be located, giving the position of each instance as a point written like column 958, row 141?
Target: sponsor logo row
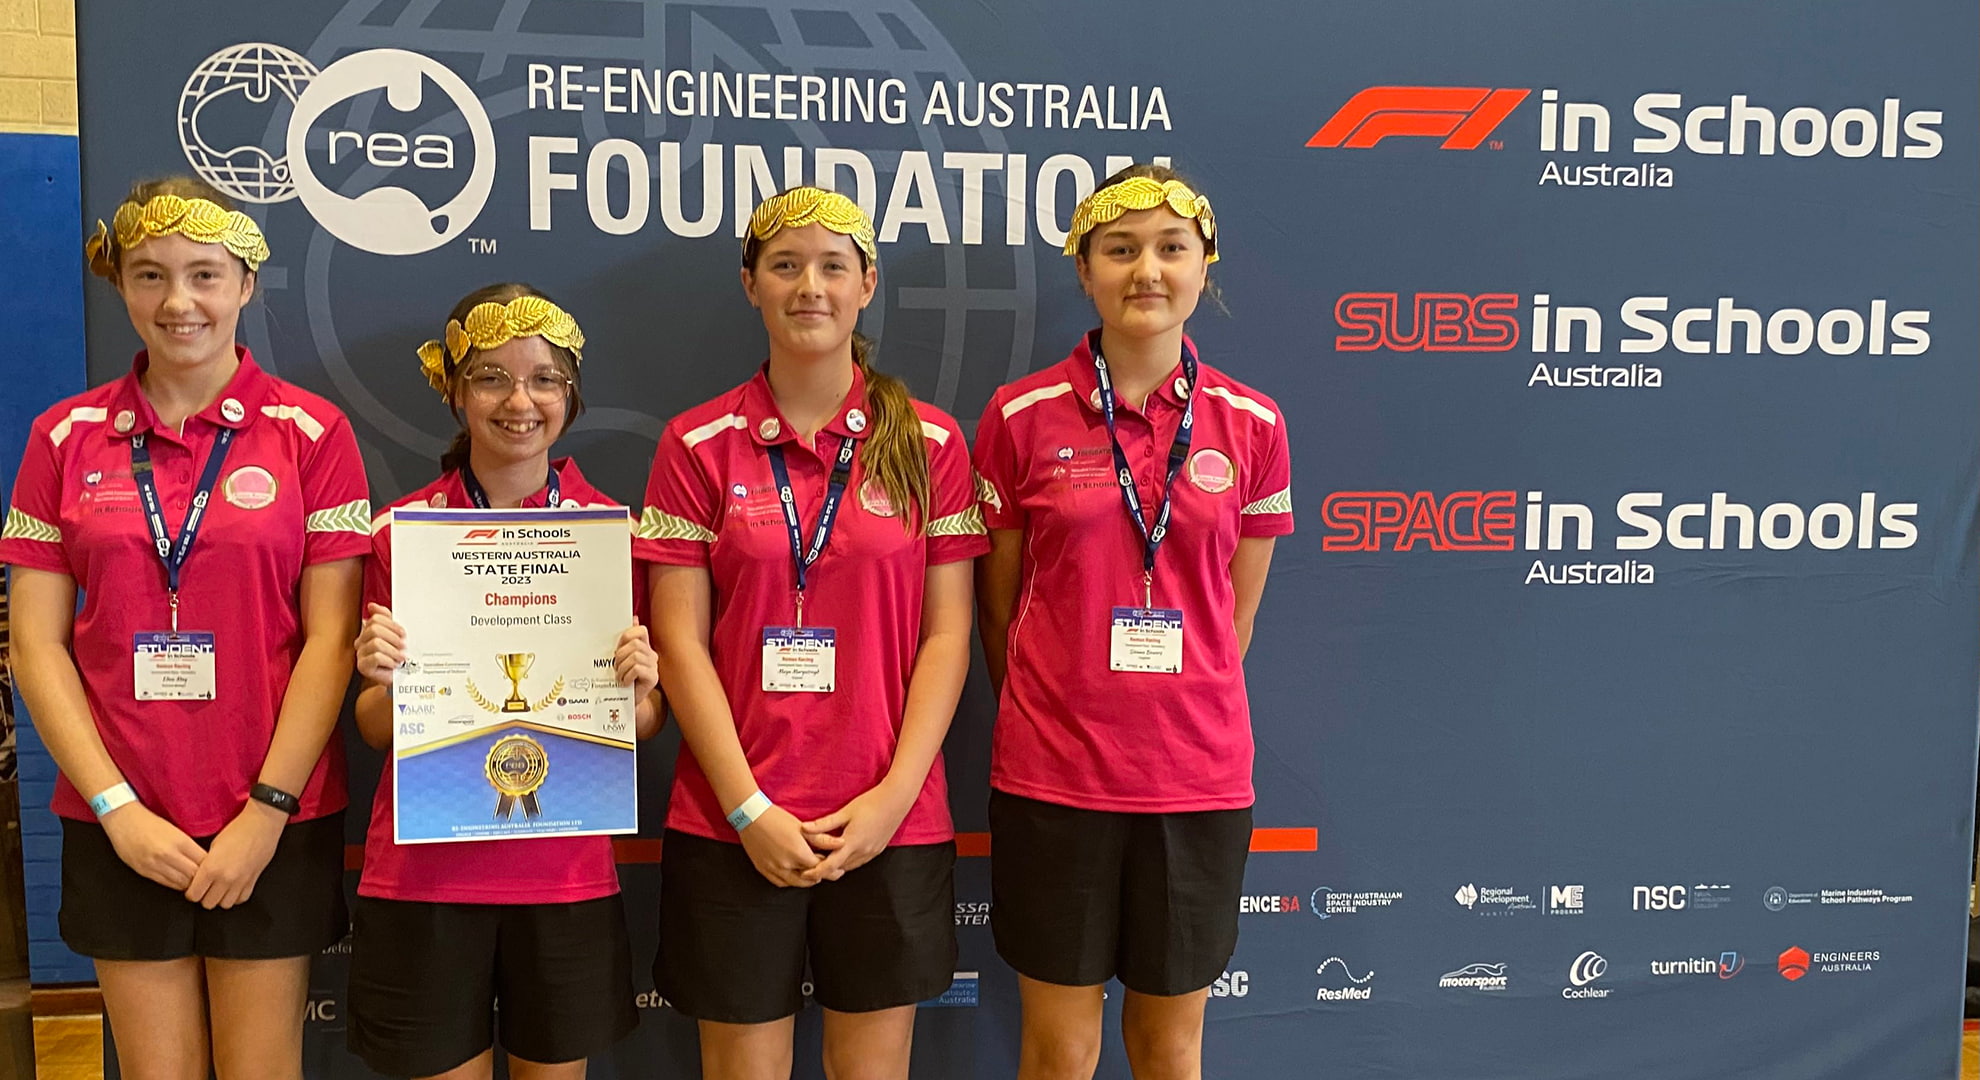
column 1590, row 976
column 1493, row 899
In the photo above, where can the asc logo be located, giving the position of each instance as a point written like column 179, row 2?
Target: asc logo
column 368, row 209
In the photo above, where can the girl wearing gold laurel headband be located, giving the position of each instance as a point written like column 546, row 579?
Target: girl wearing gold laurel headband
column 812, row 532
column 212, row 518
column 446, row 932
column 1133, row 494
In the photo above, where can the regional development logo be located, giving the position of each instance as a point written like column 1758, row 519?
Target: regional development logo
column 374, row 201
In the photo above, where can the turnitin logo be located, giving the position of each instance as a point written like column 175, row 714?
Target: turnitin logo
column 1474, row 977
column 1565, row 900
column 1582, row 974
column 386, row 217
column 1726, row 966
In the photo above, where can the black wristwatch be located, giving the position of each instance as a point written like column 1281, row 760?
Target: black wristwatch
column 277, row 798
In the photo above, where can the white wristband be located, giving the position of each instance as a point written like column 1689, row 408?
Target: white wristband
column 742, row 817
column 111, row 798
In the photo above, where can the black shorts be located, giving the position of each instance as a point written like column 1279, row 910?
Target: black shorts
column 112, row 912
column 733, row 946
column 1080, row 896
column 426, row 979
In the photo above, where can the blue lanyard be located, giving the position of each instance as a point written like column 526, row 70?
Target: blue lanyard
column 174, row 555
column 1151, row 538
column 480, row 498
column 835, row 489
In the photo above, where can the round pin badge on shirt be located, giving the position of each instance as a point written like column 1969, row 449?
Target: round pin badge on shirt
column 770, row 428
column 126, row 420
column 1094, row 397
column 855, row 420
column 232, row 410
column 1182, row 388
column 438, row 501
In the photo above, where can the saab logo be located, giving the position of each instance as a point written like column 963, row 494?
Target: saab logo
column 481, row 534
column 1565, row 899
column 1793, row 963
column 1460, row 115
column 1657, row 898
column 1267, row 905
column 1231, row 984
column 1437, row 322
column 387, row 220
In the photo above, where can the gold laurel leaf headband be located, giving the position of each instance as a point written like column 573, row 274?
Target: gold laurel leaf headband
column 200, row 220
column 1143, row 193
column 810, row 205
column 490, row 324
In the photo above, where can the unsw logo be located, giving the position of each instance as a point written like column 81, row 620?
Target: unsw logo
column 1465, row 117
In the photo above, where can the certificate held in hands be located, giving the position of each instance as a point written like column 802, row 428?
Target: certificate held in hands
column 508, row 719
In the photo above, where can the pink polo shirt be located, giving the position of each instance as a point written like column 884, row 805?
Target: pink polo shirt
column 1070, row 730
column 533, row 870
column 711, row 501
column 292, row 494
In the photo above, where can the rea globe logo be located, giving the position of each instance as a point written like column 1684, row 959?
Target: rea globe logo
column 376, row 207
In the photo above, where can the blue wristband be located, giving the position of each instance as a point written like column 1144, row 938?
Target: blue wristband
column 742, row 817
column 111, row 798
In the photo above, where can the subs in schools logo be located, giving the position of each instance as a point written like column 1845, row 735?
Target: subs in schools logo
column 326, row 150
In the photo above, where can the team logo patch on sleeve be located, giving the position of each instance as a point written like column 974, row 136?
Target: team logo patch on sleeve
column 250, row 487
column 1211, row 471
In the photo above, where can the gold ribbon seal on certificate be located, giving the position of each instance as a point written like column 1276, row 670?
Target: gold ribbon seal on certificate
column 517, row 766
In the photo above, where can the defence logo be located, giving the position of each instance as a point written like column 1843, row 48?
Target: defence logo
column 1460, row 115
column 385, row 218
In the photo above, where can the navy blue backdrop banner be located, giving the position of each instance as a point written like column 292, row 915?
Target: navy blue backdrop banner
column 1616, row 699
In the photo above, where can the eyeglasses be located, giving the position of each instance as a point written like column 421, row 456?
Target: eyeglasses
column 494, row 384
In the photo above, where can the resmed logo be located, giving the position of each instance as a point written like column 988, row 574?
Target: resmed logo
column 387, row 219
column 1337, row 983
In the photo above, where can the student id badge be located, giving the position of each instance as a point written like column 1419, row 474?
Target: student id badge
column 173, row 666
column 800, row 659
column 1147, row 639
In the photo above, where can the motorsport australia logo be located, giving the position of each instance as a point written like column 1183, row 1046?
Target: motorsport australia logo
column 1475, row 977
column 339, row 150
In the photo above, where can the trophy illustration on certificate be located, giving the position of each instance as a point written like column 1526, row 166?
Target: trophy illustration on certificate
column 515, row 665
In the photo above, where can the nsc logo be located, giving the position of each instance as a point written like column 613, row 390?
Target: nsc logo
column 386, row 219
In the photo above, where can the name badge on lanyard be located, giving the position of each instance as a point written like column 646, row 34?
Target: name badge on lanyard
column 175, row 665
column 1146, row 638
column 797, row 658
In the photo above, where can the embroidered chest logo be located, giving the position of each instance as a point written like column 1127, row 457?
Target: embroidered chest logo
column 873, row 497
column 250, row 487
column 1211, row 471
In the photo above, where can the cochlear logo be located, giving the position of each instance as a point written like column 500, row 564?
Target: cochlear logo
column 387, row 218
column 1462, row 116
column 1582, row 974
